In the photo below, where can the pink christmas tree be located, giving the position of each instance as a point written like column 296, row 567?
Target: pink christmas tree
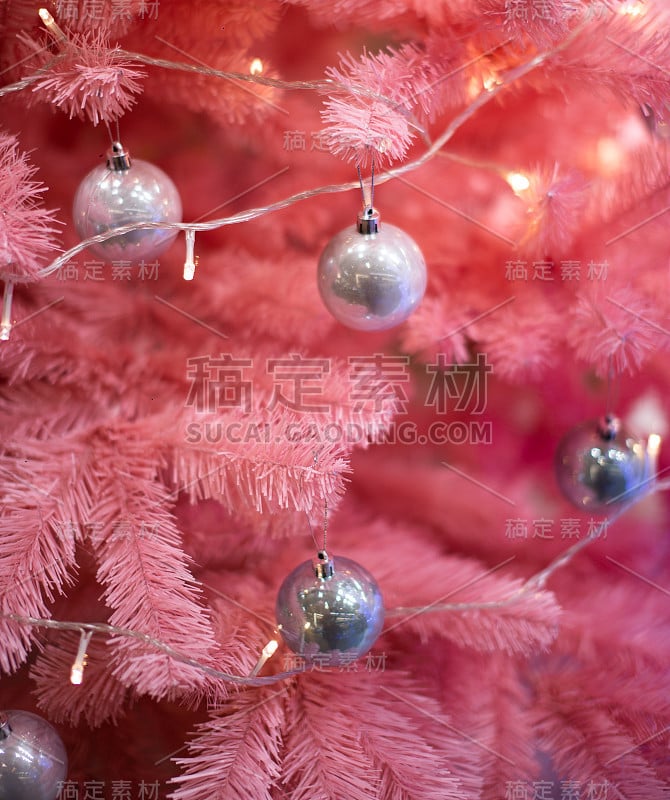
column 173, row 448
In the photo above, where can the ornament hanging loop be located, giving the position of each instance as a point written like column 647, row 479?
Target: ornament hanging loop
column 118, row 158
column 371, row 204
column 609, row 426
column 323, row 568
column 368, row 218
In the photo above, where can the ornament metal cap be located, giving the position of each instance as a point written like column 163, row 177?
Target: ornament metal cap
column 368, row 220
column 323, row 569
column 118, row 159
column 608, row 427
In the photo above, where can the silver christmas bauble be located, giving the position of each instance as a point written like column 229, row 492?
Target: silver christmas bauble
column 373, row 280
column 599, row 465
column 33, row 760
column 126, row 193
column 332, row 608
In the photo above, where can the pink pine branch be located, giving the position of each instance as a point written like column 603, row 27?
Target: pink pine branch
column 556, row 202
column 324, row 758
column 238, row 24
column 617, row 330
column 235, row 753
column 441, row 325
column 525, row 20
column 520, row 339
column 27, row 229
column 229, row 102
column 278, row 469
column 495, row 616
column 100, row 697
column 372, row 120
column 36, row 561
column 95, row 81
column 37, row 545
column 147, row 584
column 588, row 745
column 384, row 713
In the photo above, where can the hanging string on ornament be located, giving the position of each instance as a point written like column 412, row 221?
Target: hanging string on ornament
column 33, row 759
column 599, row 464
column 125, row 192
column 371, row 277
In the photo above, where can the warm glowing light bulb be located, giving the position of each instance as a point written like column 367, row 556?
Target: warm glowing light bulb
column 609, row 155
column 518, row 181
column 190, row 262
column 633, row 9
column 474, row 88
column 256, row 67
column 490, row 82
column 267, row 652
column 270, row 648
column 653, row 444
column 50, row 25
column 77, row 671
column 76, row 676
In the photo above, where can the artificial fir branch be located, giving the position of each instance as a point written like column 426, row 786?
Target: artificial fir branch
column 94, row 407
column 105, row 696
column 236, row 752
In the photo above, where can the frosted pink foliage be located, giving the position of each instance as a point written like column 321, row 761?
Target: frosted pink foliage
column 615, row 331
column 145, row 483
column 372, row 120
column 233, row 24
column 104, row 696
column 541, row 22
column 26, row 228
column 370, row 11
column 556, row 202
column 235, row 753
column 93, row 82
column 363, row 753
column 440, row 325
column 625, row 51
column 520, row 339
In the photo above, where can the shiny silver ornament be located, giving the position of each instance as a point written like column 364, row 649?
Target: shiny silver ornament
column 371, row 277
column 599, row 465
column 125, row 192
column 334, row 608
column 33, row 760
